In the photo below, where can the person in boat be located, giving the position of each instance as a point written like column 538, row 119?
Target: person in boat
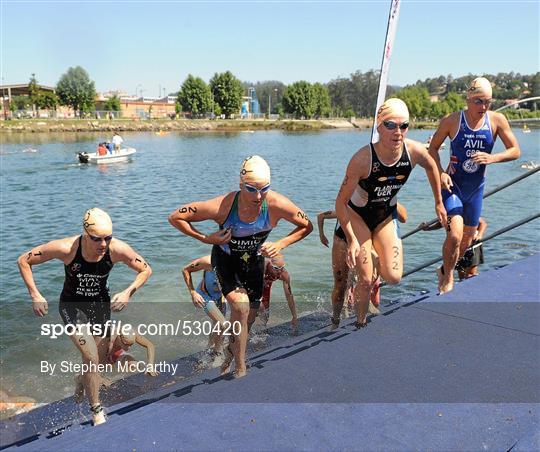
column 343, row 279
column 274, row 270
column 245, row 218
column 366, row 204
column 208, row 296
column 101, row 150
column 472, row 132
column 85, row 301
column 117, row 141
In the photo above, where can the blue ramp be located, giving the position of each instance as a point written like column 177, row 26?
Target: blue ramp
column 453, row 372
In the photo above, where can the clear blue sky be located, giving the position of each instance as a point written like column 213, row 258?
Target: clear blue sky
column 126, row 44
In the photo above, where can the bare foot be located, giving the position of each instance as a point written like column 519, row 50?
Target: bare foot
column 239, row 373
column 227, row 361
column 79, row 389
column 440, row 277
column 373, row 309
column 446, row 287
column 444, row 284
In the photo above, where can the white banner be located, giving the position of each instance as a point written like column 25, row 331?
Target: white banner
column 385, row 65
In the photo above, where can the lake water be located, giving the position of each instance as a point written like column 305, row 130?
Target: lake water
column 44, row 192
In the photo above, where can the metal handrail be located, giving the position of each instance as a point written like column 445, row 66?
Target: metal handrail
column 489, row 237
column 422, row 226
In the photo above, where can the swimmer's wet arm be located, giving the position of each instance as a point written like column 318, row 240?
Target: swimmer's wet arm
column 183, row 217
column 293, row 214
column 401, row 213
column 425, row 160
column 202, row 263
column 443, row 131
column 355, row 171
column 320, row 224
column 150, row 348
column 122, row 252
column 512, row 151
column 289, row 296
column 56, row 249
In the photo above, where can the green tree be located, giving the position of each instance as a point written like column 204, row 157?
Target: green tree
column 47, row 100
column 340, row 91
column 76, row 90
column 535, row 85
column 417, row 100
column 33, row 90
column 112, row 104
column 322, row 100
column 195, row 96
column 227, row 91
column 455, row 101
column 19, row 103
column 298, row 100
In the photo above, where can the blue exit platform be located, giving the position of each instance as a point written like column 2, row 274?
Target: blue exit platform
column 453, row 372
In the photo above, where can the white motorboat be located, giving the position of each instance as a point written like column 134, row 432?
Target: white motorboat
column 122, row 155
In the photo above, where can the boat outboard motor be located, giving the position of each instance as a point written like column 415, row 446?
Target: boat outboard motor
column 83, row 157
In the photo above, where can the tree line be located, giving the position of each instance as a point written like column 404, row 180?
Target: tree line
column 428, row 99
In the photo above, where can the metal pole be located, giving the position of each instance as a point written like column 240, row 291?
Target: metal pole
column 489, row 237
column 489, row 193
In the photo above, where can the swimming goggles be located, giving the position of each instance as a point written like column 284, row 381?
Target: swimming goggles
column 252, row 189
column 99, row 239
column 485, row 102
column 392, row 125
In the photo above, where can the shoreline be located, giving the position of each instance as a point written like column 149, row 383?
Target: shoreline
column 203, row 125
column 184, row 125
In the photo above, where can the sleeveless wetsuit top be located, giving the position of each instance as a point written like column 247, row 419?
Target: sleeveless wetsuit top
column 380, row 189
column 247, row 238
column 467, row 142
column 209, row 286
column 86, row 281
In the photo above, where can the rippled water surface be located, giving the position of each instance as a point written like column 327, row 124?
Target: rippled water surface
column 44, row 192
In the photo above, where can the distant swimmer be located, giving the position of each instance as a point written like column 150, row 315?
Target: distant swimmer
column 366, row 204
column 472, row 133
column 245, row 218
column 340, row 269
column 275, row 270
column 85, row 299
column 208, row 296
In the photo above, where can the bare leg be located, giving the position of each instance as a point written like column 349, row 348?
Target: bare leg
column 341, row 272
column 88, row 346
column 364, row 267
column 79, row 389
column 451, row 249
column 239, row 303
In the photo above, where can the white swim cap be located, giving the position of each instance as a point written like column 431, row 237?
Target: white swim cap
column 255, row 170
column 479, row 87
column 392, row 108
column 97, row 222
